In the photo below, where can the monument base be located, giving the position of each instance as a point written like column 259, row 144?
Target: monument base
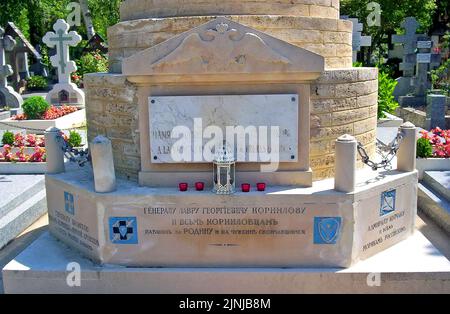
column 412, row 101
column 412, row 266
column 66, row 94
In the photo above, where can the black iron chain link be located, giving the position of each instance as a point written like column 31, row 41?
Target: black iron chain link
column 79, row 156
column 387, row 152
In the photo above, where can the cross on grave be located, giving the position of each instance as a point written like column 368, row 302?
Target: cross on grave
column 409, row 43
column 61, row 39
column 8, row 96
column 425, row 62
column 7, row 43
column 358, row 40
column 65, row 92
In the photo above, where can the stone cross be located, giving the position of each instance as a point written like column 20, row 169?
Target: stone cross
column 409, row 42
column 62, row 40
column 8, row 97
column 358, row 40
column 7, row 43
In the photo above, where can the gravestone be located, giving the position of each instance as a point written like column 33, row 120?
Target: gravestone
column 358, row 40
column 19, row 57
column 425, row 61
column 61, row 39
column 8, row 97
column 417, row 61
column 436, row 111
column 408, row 42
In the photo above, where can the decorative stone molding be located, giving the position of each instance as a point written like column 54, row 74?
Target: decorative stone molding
column 225, row 48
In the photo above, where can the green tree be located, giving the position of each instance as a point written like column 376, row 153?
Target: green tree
column 36, row 17
column 105, row 13
column 392, row 15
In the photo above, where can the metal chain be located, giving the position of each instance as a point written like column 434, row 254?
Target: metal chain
column 80, row 156
column 387, row 152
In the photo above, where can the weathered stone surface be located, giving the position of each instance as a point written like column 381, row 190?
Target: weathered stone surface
column 112, row 111
column 331, row 117
column 130, row 37
column 140, row 9
column 180, row 216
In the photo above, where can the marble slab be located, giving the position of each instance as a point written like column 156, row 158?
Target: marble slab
column 208, row 116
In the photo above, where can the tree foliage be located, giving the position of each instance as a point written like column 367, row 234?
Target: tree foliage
column 36, row 17
column 392, row 15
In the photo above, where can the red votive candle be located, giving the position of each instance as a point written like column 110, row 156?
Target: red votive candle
column 199, row 186
column 245, row 187
column 183, row 187
column 261, row 187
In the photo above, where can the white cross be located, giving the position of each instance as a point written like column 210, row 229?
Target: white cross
column 62, row 40
column 358, row 40
column 7, row 43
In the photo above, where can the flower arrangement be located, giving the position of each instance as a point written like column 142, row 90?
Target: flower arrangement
column 51, row 113
column 37, row 108
column 15, row 150
column 434, row 144
column 7, row 155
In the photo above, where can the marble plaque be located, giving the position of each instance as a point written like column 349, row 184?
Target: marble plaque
column 424, row 58
column 424, row 44
column 264, row 127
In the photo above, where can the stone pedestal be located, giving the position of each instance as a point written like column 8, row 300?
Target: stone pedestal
column 414, row 266
column 436, row 111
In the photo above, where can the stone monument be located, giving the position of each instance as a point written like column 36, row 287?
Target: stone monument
column 358, row 40
column 418, row 60
column 408, row 42
column 19, row 57
column 8, row 97
column 280, row 92
column 65, row 92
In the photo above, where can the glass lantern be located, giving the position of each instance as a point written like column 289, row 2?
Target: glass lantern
column 224, row 171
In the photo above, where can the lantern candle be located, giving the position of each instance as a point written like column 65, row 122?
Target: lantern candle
column 261, row 187
column 183, row 187
column 199, row 186
column 245, row 187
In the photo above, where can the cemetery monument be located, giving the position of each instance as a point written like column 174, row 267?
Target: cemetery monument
column 418, row 61
column 19, row 59
column 8, row 97
column 65, row 92
column 358, row 40
column 223, row 139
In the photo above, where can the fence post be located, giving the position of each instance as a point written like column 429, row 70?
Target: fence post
column 406, row 156
column 103, row 165
column 345, row 164
column 54, row 150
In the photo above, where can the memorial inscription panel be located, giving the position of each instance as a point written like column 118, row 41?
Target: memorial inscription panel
column 248, row 230
column 253, row 121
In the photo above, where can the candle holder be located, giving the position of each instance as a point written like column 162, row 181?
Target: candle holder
column 199, row 186
column 245, row 187
column 261, row 187
column 183, row 187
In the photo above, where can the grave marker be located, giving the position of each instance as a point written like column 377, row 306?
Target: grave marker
column 8, row 97
column 61, row 39
column 357, row 39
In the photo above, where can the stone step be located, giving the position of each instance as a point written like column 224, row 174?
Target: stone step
column 17, row 220
column 439, row 181
column 412, row 266
column 434, row 206
column 16, row 189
